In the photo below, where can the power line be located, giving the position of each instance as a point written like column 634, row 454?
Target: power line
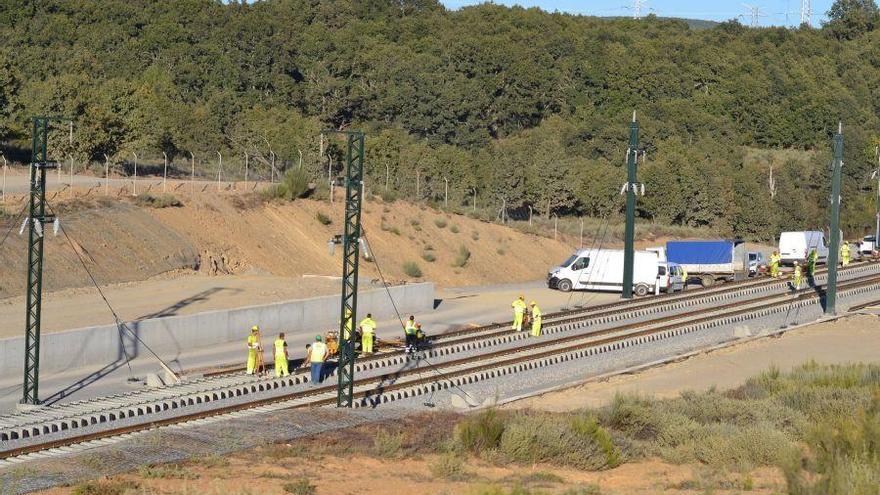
column 754, row 13
column 806, row 12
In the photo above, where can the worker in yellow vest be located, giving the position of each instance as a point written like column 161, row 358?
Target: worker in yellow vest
column 315, row 357
column 519, row 310
column 798, row 276
column 409, row 332
column 347, row 327
column 844, row 254
column 775, row 259
column 368, row 332
column 253, row 345
column 536, row 320
column 281, row 356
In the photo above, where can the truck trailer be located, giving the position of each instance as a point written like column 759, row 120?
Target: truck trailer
column 715, row 260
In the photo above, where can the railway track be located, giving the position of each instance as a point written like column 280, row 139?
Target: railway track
column 106, row 418
column 465, row 338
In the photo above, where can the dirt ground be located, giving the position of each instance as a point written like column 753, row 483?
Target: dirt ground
column 242, row 474
column 847, row 340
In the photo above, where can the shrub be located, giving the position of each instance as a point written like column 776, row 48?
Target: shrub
column 411, row 268
column 299, row 487
column 387, row 444
column 170, row 471
column 429, row 247
column 535, row 438
column 475, row 235
column 440, row 222
column 480, row 432
column 415, row 222
column 389, row 228
column 323, row 219
column 449, row 465
column 454, row 229
column 294, row 185
column 462, row 258
column 501, row 251
column 163, row 200
column 429, row 257
column 104, row 487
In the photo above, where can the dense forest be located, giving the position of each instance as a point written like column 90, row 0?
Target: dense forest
column 526, row 106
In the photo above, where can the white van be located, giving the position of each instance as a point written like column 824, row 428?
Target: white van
column 602, row 269
column 796, row 246
column 670, row 277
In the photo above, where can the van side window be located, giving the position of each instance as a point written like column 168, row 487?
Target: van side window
column 580, row 264
column 661, row 270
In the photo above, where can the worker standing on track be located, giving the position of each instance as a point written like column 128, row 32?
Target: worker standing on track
column 798, row 277
column 253, row 345
column 812, row 260
column 536, row 319
column 281, row 356
column 368, row 332
column 775, row 259
column 844, row 254
column 409, row 331
column 316, row 356
column 519, row 310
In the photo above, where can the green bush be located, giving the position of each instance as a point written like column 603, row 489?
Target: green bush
column 104, row 487
column 558, row 439
column 480, row 432
column 164, row 200
column 454, row 229
column 440, row 222
column 448, row 466
column 475, row 235
column 501, row 251
column 462, row 258
column 294, row 185
column 411, row 268
column 170, row 471
column 387, row 444
column 323, row 219
column 300, row 487
column 429, row 257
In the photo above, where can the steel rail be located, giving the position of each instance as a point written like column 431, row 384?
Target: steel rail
column 525, row 354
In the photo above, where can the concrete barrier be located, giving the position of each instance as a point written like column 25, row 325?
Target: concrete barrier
column 171, row 336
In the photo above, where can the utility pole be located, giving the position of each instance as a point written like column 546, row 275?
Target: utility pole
column 637, row 6
column 354, row 178
column 37, row 221
column 806, row 12
column 632, row 154
column 754, row 13
column 876, row 175
column 834, row 249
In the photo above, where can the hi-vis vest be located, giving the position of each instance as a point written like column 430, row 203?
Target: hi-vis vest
column 410, row 328
column 318, row 350
column 368, row 326
column 279, row 347
column 519, row 306
column 252, row 343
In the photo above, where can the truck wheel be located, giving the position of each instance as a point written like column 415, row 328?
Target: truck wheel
column 707, row 280
column 642, row 290
column 564, row 285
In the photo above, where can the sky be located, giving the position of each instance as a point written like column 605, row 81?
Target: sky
column 772, row 12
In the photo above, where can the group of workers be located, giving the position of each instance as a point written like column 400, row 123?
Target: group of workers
column 811, row 262
column 521, row 310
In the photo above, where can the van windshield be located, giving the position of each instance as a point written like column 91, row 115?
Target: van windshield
column 569, row 261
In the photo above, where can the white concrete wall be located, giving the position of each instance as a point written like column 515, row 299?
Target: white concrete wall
column 171, row 336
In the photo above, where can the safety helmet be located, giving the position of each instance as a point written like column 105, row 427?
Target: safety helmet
column 533, row 303
column 255, row 328
column 317, row 338
column 522, row 297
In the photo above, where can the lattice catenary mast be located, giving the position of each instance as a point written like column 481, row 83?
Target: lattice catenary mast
column 806, row 11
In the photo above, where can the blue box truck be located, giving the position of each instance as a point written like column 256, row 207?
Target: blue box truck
column 715, row 260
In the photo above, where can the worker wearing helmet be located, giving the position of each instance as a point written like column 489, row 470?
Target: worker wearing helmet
column 253, row 345
column 368, row 332
column 281, row 356
column 798, row 276
column 812, row 261
column 316, row 356
column 536, row 319
column 519, row 310
column 844, row 254
column 347, row 334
